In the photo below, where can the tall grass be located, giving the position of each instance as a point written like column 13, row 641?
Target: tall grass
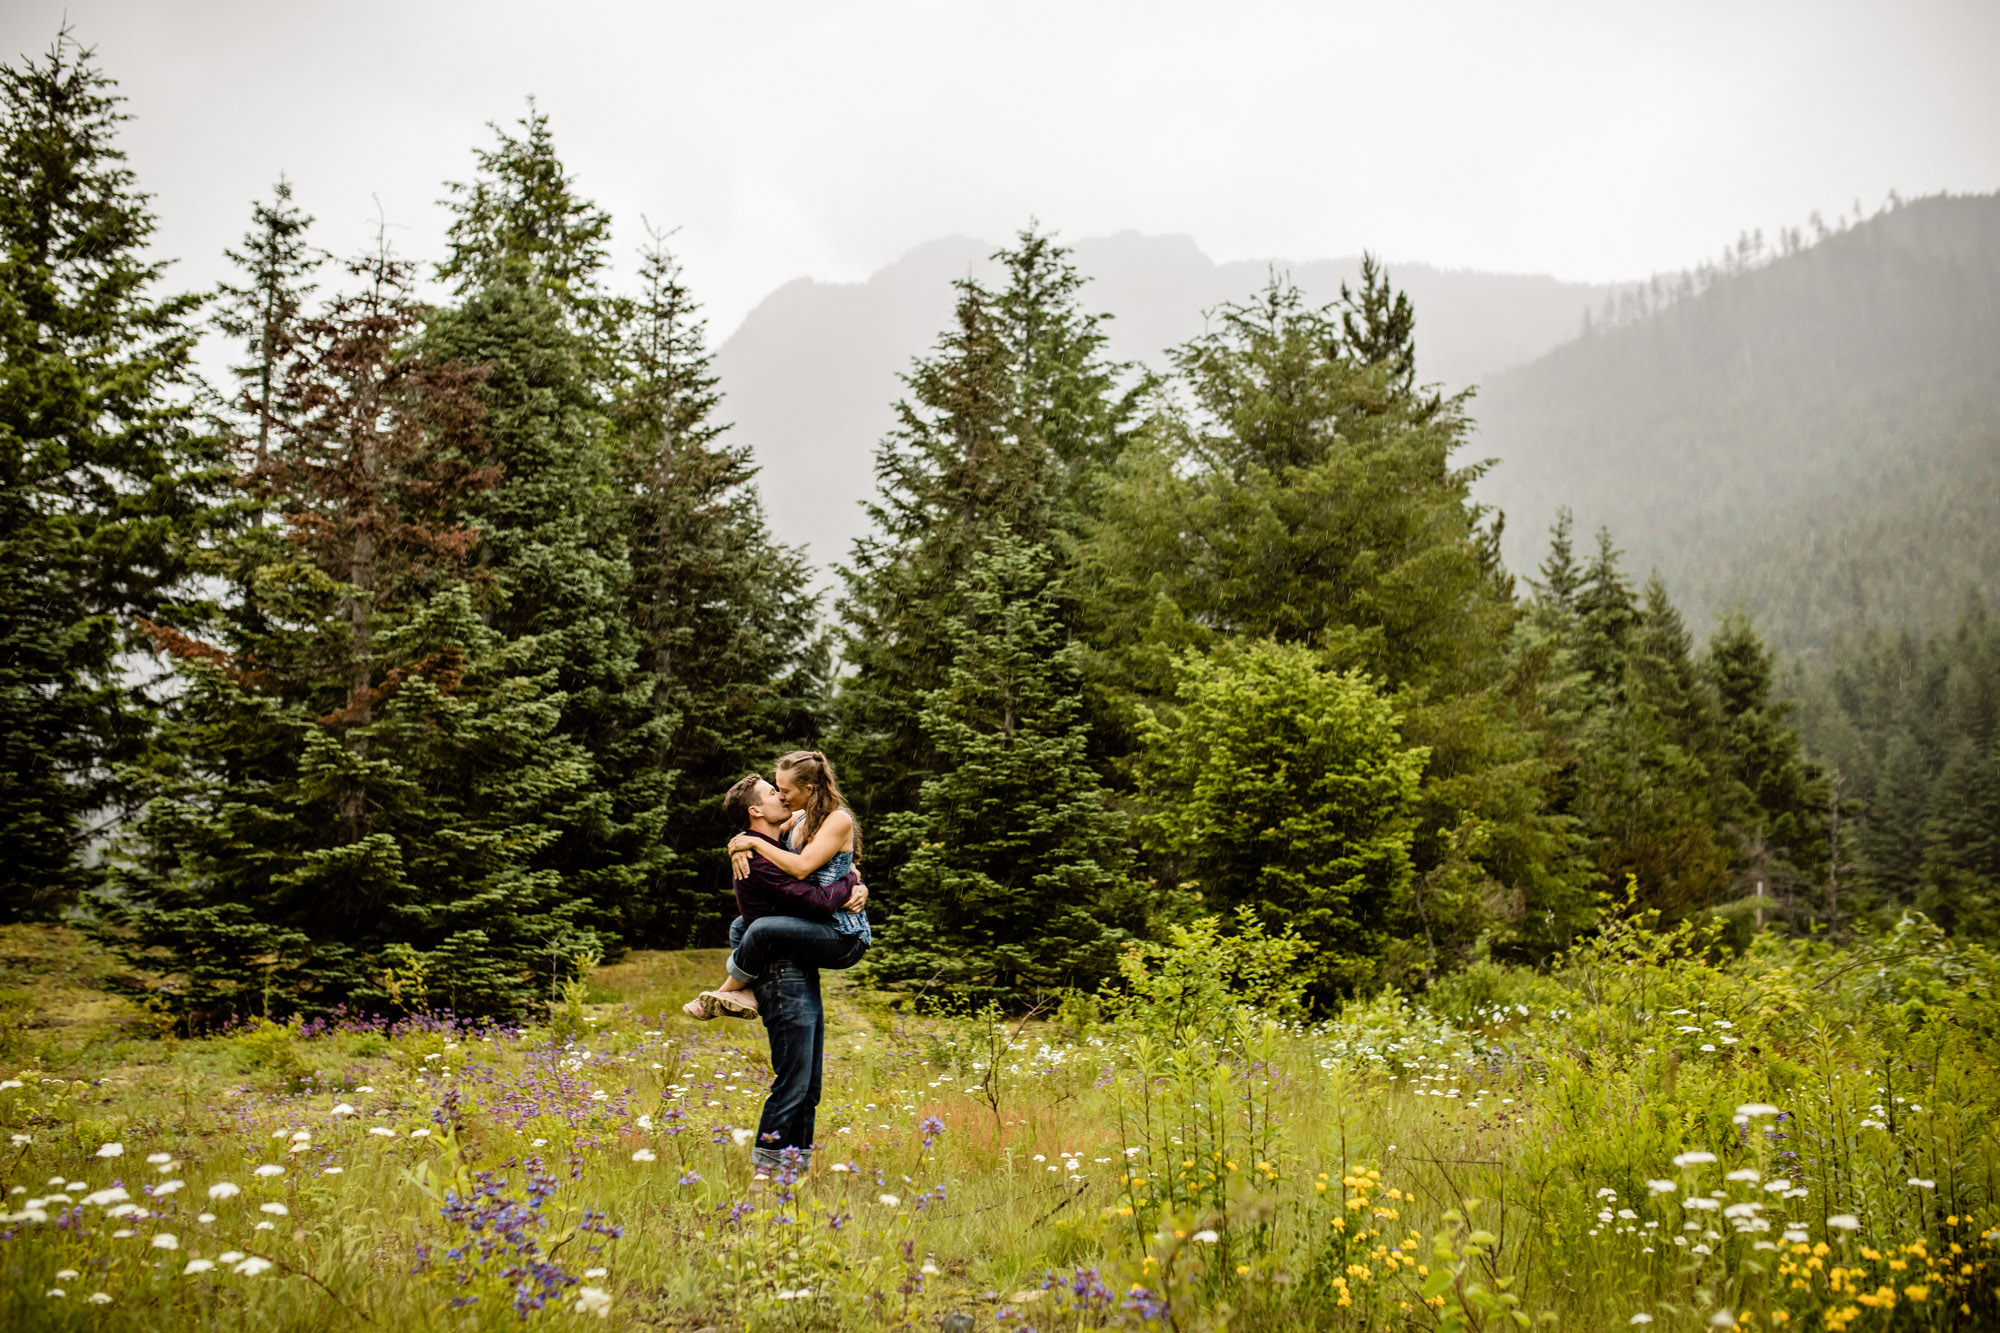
column 1797, row 1137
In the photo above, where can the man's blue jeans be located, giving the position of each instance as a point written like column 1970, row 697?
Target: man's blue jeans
column 788, row 1000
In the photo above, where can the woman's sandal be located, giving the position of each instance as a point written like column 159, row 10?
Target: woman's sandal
column 700, row 1007
column 732, row 1003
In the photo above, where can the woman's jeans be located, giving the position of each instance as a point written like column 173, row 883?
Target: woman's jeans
column 754, row 948
column 785, row 964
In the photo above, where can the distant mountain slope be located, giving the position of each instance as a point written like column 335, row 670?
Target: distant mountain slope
column 1816, row 441
column 811, row 373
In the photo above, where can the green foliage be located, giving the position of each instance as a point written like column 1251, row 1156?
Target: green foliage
column 366, row 774
column 1008, row 425
column 1194, row 982
column 1014, row 874
column 107, row 475
column 1910, row 723
column 1281, row 786
column 732, row 656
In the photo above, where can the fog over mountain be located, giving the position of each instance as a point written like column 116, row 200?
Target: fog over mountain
column 1815, row 441
column 811, row 374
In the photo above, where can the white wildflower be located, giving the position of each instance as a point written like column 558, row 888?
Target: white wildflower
column 252, row 1266
column 888, row 1200
column 1687, row 1159
column 111, row 1150
column 1844, row 1222
column 274, row 1209
column 1206, row 1237
column 1661, row 1186
column 268, row 1170
column 593, row 1300
column 645, row 1155
column 166, row 1240
column 197, row 1266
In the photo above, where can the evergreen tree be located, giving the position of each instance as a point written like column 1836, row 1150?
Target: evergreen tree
column 1773, row 799
column 1282, row 786
column 521, row 223
column 731, row 655
column 526, row 252
column 1014, row 882
column 367, row 779
column 1295, row 485
column 277, row 264
column 549, row 539
column 1008, row 425
column 107, row 477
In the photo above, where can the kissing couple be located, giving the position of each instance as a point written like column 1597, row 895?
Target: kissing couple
column 800, row 907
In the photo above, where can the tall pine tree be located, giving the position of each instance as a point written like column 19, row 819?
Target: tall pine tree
column 365, row 779
column 732, row 659
column 1009, row 424
column 1014, row 882
column 107, row 477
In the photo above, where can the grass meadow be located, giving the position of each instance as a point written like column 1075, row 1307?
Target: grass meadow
column 1655, row 1132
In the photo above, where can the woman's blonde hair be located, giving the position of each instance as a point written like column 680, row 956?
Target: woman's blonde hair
column 814, row 771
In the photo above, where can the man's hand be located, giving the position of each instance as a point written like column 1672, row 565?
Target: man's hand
column 743, row 842
column 858, row 899
column 739, row 865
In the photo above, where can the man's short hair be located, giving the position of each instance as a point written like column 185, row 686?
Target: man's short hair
column 737, row 802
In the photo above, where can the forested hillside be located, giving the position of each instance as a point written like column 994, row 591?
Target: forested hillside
column 1814, row 439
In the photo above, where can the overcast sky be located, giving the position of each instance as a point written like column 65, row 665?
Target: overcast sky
column 1588, row 140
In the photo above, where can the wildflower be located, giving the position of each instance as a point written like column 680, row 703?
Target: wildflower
column 274, row 1209
column 100, row 1198
column 382, row 1131
column 691, row 1178
column 1705, row 1205
column 645, row 1155
column 197, row 1266
column 1688, row 1159
column 1746, row 1175
column 644, row 1122
column 1641, row 1318
column 1206, row 1237
column 342, row 1109
column 155, row 1158
column 1661, row 1187
column 229, row 1256
column 67, row 1275
column 593, row 1300
column 251, row 1266
column 1844, row 1222
column 57, row 1292
column 99, row 1298
column 168, row 1187
column 1750, row 1109
column 1777, row 1186
column 1923, row 1184
column 111, row 1150
column 1873, row 1124
column 332, row 1171
column 1722, row 1319
column 166, row 1240
column 888, row 1200
column 420, row 1133
column 204, row 1217
column 268, row 1170
column 743, row 1136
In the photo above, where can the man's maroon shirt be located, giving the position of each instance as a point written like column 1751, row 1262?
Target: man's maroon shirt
column 769, row 891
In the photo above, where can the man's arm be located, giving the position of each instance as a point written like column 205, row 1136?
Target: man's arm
column 830, row 897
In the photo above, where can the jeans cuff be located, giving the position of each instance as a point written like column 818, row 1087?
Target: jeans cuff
column 772, row 1160
column 738, row 973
